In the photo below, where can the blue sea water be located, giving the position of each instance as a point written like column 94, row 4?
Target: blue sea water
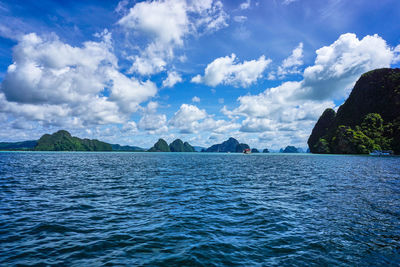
column 198, row 209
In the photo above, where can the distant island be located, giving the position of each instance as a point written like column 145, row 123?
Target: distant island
column 63, row 141
column 291, row 149
column 229, row 146
column 368, row 120
column 176, row 146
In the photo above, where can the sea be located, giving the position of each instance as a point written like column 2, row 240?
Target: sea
column 198, row 209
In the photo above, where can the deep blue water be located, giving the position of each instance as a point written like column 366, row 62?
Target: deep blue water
column 193, row 209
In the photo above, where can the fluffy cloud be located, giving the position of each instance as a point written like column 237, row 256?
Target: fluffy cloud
column 288, row 112
column 53, row 82
column 172, row 79
column 226, row 70
column 165, row 20
column 129, row 127
column 290, row 65
column 245, row 5
column 338, row 66
column 187, row 117
column 196, row 99
column 166, row 23
column 151, row 121
column 191, row 119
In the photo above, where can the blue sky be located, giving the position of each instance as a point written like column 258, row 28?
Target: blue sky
column 131, row 72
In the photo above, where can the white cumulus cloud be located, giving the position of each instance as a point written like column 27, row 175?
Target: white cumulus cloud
column 196, row 99
column 56, row 83
column 226, row 70
column 151, row 121
column 172, row 79
column 290, row 65
column 166, row 24
column 190, row 119
column 338, row 66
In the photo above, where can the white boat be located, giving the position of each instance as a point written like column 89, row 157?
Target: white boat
column 381, row 153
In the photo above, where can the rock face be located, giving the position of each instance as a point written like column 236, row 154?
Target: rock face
column 265, row 150
column 368, row 120
column 177, row 146
column 227, row 146
column 254, row 150
column 290, row 149
column 160, row 146
column 241, row 147
column 188, row 148
column 63, row 141
column 321, row 128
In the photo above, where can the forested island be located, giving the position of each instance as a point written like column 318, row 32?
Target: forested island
column 368, row 120
column 64, row 141
column 229, row 146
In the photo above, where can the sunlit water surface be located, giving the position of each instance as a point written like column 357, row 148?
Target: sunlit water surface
column 86, row 209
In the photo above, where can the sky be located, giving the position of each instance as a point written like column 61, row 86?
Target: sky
column 131, row 72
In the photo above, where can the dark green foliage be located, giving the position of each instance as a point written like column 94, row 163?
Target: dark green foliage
column 24, row 145
column 116, row 147
column 254, row 150
column 188, row 148
column 395, row 134
column 160, row 146
column 321, row 128
column 227, row 146
column 368, row 120
column 265, row 150
column 290, row 149
column 63, row 141
column 321, row 147
column 177, row 146
column 349, row 141
column 241, row 147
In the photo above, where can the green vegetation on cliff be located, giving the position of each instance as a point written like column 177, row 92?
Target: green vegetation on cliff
column 188, row 148
column 160, row 146
column 177, row 146
column 368, row 120
column 24, row 145
column 63, row 141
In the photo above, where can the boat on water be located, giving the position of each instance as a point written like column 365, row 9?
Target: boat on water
column 247, row 151
column 381, row 153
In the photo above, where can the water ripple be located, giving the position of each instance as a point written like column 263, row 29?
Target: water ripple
column 198, row 209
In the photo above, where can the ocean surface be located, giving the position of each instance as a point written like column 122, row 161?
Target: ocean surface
column 198, row 209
